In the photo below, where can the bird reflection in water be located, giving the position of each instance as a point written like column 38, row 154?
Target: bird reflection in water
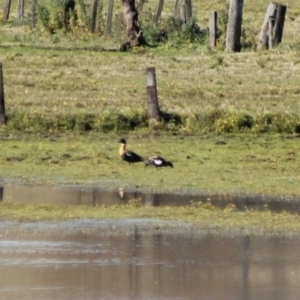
column 148, row 199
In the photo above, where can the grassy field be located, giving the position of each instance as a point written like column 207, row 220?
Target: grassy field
column 193, row 79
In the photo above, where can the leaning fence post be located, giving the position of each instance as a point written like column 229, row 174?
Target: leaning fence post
column 213, row 18
column 2, row 103
column 270, row 33
column 277, row 12
column 153, row 108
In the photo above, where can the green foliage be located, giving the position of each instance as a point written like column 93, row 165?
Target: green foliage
column 219, row 121
column 249, row 38
column 277, row 122
column 51, row 16
column 110, row 120
column 222, row 27
column 171, row 30
column 192, row 33
column 215, row 121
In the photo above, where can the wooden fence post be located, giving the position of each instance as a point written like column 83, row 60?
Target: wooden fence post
column 270, row 33
column 158, row 11
column 213, row 20
column 153, row 107
column 109, row 17
column 34, row 13
column 279, row 24
column 94, row 16
column 2, row 103
column 21, row 9
column 234, row 27
column 6, row 10
column 277, row 13
column 1, row 192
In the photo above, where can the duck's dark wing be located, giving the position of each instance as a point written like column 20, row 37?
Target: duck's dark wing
column 131, row 157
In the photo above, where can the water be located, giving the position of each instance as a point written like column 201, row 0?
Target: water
column 149, row 267
column 62, row 263
column 97, row 196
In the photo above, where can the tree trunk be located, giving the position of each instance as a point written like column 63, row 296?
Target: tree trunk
column 21, row 9
column 133, row 30
column 158, row 11
column 34, row 13
column 234, row 28
column 94, row 16
column 6, row 10
column 109, row 18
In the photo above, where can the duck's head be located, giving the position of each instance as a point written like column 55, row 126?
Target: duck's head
column 122, row 149
column 122, row 141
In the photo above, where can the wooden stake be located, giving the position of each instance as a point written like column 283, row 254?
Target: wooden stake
column 2, row 103
column 270, row 33
column 1, row 193
column 153, row 107
column 213, row 19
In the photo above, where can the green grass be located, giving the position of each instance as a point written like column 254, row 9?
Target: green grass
column 244, row 164
column 47, row 75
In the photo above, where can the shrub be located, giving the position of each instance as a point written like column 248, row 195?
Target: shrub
column 51, row 16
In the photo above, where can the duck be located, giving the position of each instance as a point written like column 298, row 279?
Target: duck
column 158, row 162
column 128, row 156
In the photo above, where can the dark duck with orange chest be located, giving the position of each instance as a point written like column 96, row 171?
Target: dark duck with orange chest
column 158, row 162
column 128, row 156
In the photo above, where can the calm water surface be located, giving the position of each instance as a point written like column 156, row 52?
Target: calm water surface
column 149, row 267
column 93, row 196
